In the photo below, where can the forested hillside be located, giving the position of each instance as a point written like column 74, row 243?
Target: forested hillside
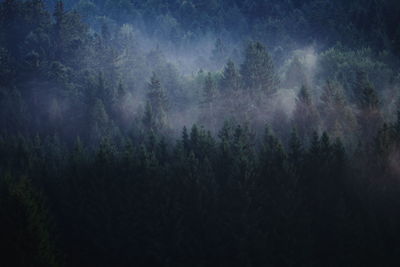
column 199, row 133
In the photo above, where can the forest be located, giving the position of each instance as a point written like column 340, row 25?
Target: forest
column 199, row 133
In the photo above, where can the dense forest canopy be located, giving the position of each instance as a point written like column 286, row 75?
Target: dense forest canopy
column 199, row 133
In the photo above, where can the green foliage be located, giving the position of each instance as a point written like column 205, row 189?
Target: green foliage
column 368, row 99
column 257, row 70
column 350, row 68
column 26, row 234
column 305, row 116
column 295, row 75
column 155, row 118
column 230, row 81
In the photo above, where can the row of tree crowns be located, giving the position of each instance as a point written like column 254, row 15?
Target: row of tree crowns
column 233, row 89
column 95, row 74
column 252, row 181
column 285, row 23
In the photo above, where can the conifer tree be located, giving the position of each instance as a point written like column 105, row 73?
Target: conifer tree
column 25, row 228
column 368, row 98
column 360, row 82
column 338, row 117
column 219, row 52
column 155, row 117
column 106, row 93
column 99, row 121
column 273, row 156
column 257, row 71
column 369, row 117
column 230, row 80
column 305, row 116
column 295, row 152
column 59, row 29
column 397, row 127
column 208, row 103
column 295, row 75
column 230, row 89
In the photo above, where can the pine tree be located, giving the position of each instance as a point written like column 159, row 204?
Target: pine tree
column 305, row 116
column 325, row 147
column 273, row 156
column 397, row 126
column 295, row 75
column 105, row 157
column 338, row 117
column 39, row 19
column 106, row 93
column 361, row 81
column 304, row 96
column 105, row 33
column 209, row 93
column 59, row 29
column 121, row 92
column 25, row 229
column 208, row 103
column 155, row 117
column 338, row 164
column 185, row 141
column 369, row 117
column 99, row 121
column 368, row 98
column 257, row 71
column 295, row 153
column 333, row 95
column 10, row 22
column 78, row 156
column 148, row 117
column 315, row 146
column 219, row 52
column 230, row 80
column 383, row 145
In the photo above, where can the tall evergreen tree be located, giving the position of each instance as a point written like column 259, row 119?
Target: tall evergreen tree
column 219, row 52
column 27, row 239
column 230, row 80
column 305, row 116
column 257, row 71
column 208, row 104
column 370, row 117
column 338, row 117
column 156, row 116
column 295, row 76
column 59, row 29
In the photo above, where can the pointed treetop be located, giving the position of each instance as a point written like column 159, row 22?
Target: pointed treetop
column 304, row 95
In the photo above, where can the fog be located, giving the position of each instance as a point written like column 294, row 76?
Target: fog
column 199, row 133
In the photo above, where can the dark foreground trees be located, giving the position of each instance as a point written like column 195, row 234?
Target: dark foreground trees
column 235, row 200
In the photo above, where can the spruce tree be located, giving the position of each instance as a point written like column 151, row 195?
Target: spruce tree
column 338, row 117
column 59, row 30
column 369, row 117
column 219, row 52
column 257, row 71
column 295, row 152
column 368, row 98
column 295, row 76
column 208, row 104
column 27, row 238
column 156, row 117
column 305, row 116
column 230, row 80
